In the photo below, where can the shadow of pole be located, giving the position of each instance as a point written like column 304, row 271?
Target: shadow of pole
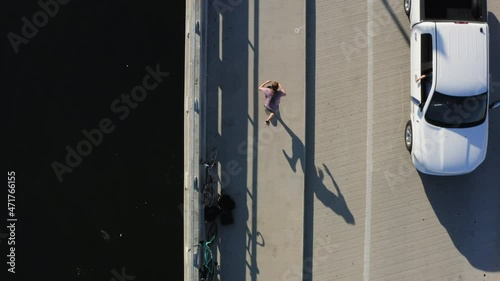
column 402, row 30
column 308, row 224
column 254, row 271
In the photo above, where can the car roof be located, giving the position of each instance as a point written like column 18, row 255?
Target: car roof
column 462, row 58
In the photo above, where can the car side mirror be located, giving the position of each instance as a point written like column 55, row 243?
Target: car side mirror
column 495, row 105
column 421, row 106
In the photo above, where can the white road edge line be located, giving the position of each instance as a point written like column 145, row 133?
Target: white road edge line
column 369, row 142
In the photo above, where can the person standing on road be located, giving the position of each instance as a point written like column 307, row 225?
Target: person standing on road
column 273, row 95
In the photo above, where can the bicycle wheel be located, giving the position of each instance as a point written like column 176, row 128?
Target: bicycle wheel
column 207, row 195
column 207, row 270
column 212, row 233
column 211, row 239
column 211, row 273
column 210, row 195
column 212, row 158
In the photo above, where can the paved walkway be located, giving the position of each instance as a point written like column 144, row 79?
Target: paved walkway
column 262, row 167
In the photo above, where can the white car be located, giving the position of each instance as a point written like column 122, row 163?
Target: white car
column 447, row 133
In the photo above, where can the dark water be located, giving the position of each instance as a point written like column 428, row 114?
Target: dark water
column 113, row 214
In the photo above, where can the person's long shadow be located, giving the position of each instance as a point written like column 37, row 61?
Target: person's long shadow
column 298, row 148
column 336, row 202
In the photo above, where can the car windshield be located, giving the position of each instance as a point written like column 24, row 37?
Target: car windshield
column 456, row 112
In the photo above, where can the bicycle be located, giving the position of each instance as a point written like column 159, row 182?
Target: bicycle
column 210, row 193
column 209, row 263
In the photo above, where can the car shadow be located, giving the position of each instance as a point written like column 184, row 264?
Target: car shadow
column 468, row 206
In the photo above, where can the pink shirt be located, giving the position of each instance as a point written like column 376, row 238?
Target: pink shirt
column 272, row 100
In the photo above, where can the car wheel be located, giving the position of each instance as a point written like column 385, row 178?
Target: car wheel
column 407, row 4
column 408, row 136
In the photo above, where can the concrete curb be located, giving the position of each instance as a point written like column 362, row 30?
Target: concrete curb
column 192, row 144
